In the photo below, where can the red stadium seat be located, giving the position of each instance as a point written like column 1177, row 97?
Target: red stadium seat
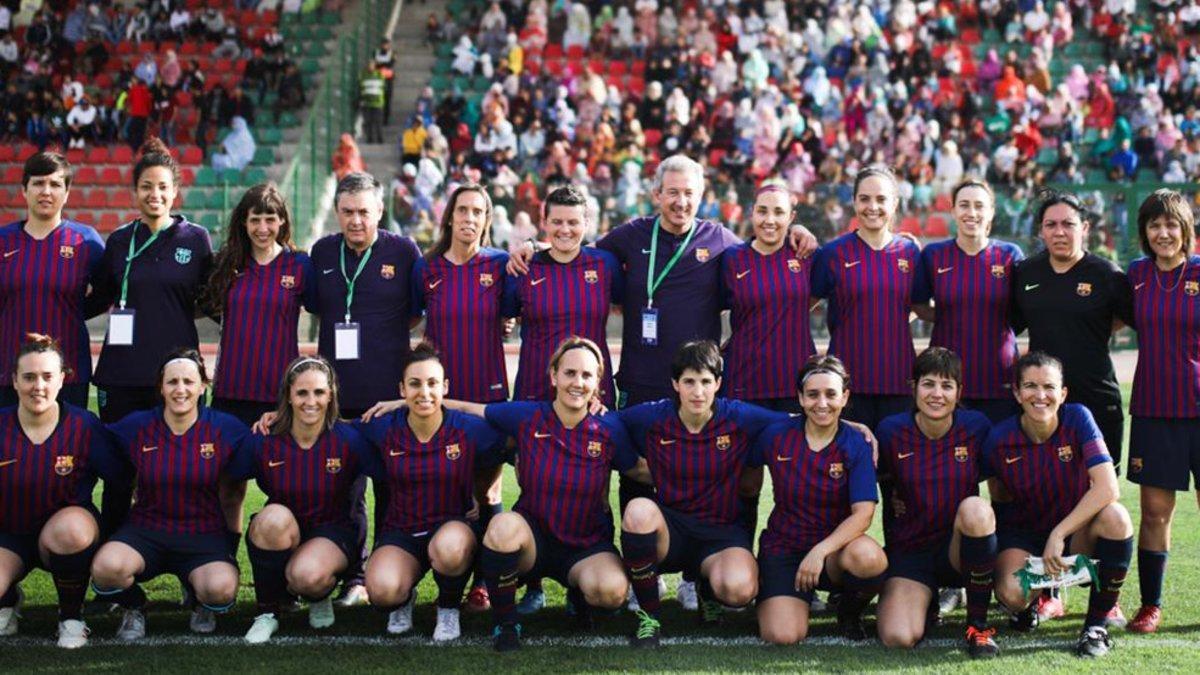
column 553, row 51
column 911, row 225
column 943, row 203
column 7, row 152
column 98, row 155
column 598, row 66
column 125, row 48
column 192, row 155
column 110, row 175
column 96, row 199
column 25, row 151
column 122, row 154
column 638, row 68
column 12, row 175
column 223, row 66
column 12, row 199
column 86, row 175
column 554, row 68
column 9, row 216
column 617, row 68
column 575, row 52
column 109, row 222
column 187, row 176
column 121, row 198
column 936, row 225
column 653, row 138
column 534, row 68
column 76, row 156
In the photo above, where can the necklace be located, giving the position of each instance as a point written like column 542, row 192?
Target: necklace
column 1178, row 279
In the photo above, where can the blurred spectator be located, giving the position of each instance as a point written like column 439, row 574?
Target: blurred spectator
column 237, row 149
column 347, row 158
column 1124, row 163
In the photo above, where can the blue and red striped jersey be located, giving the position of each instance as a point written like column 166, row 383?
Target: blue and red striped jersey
column 557, row 300
column 43, row 283
column 1046, row 480
column 432, row 482
column 697, row 474
column 464, row 310
column 313, row 483
column 259, row 326
column 36, row 480
column 870, row 296
column 771, row 340
column 928, row 478
column 564, row 473
column 813, row 490
column 971, row 299
column 1166, row 312
column 177, row 477
column 164, row 284
column 381, row 309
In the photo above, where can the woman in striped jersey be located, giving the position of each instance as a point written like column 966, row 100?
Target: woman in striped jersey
column 258, row 285
column 303, row 539
column 50, row 456
column 1164, row 443
column 459, row 285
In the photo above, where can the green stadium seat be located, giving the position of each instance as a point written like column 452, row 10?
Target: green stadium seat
column 328, row 18
column 264, row 157
column 315, row 49
column 1047, row 157
column 288, row 120
column 442, row 67
column 254, row 176
column 440, row 83
column 481, row 83
column 308, row 66
column 231, row 177
column 463, row 83
column 194, row 200
column 216, row 199
column 269, row 135
column 445, row 50
column 210, row 221
column 205, row 177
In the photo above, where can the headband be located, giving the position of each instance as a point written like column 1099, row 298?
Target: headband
column 307, row 359
column 184, row 359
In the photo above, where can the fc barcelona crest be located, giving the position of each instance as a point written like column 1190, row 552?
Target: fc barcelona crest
column 387, row 271
column 1065, row 453
column 1083, row 290
column 486, row 279
column 998, row 271
column 793, row 265
column 66, row 252
column 837, row 470
column 183, row 255
column 594, row 449
column 1135, row 465
column 903, row 265
column 723, row 442
column 208, row 450
column 702, row 254
column 961, row 454
column 64, row 464
column 1192, row 288
column 453, row 452
column 591, row 276
column 333, row 465
column 287, row 281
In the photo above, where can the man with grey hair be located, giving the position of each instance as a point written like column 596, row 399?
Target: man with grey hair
column 362, row 278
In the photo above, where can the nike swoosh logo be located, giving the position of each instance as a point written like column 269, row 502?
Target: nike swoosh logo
column 1030, row 287
column 328, row 271
column 435, row 284
column 1138, row 287
column 149, row 448
column 646, row 251
column 9, row 254
column 781, row 458
column 535, row 282
column 742, row 274
column 397, row 453
column 7, row 462
column 851, row 264
column 1010, row 460
column 272, row 465
column 666, row 441
column 943, row 270
column 538, row 435
column 905, row 456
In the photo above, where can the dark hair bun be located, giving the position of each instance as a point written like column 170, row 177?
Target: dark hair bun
column 154, row 146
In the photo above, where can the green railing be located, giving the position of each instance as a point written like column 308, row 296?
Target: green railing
column 333, row 113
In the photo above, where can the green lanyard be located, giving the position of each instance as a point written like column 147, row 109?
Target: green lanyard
column 134, row 253
column 653, row 283
column 350, row 282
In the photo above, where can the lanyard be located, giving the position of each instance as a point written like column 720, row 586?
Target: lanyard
column 134, row 253
column 653, row 283
column 350, row 282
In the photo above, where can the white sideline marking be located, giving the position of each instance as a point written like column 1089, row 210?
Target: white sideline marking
column 598, row 642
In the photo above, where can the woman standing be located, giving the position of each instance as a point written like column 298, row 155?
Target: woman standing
column 51, row 454
column 1055, row 490
column 1164, row 443
column 150, row 277
column 867, row 277
column 46, row 265
column 181, row 455
column 303, row 539
column 767, row 288
column 427, row 458
column 969, row 280
column 258, row 285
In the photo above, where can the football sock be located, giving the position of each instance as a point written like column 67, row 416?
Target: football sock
column 500, row 573
column 71, row 573
column 640, row 555
column 1152, row 567
column 978, row 555
column 1114, row 555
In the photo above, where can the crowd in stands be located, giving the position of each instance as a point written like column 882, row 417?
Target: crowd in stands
column 806, row 91
column 71, row 74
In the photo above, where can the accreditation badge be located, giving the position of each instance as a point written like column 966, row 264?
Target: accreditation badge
column 120, row 328
column 346, row 341
column 650, row 327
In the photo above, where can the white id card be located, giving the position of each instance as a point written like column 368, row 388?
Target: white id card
column 345, row 341
column 120, row 327
column 650, row 327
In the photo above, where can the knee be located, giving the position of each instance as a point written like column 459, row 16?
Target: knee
column 219, row 590
column 864, row 558
column 450, row 552
column 640, row 517
column 609, row 592
column 309, row 579
column 69, row 538
column 735, row 587
column 893, row 637
column 1114, row 523
column 109, row 567
column 976, row 518
column 1011, row 596
column 1157, row 513
column 387, row 595
column 504, row 528
column 777, row 634
column 272, row 527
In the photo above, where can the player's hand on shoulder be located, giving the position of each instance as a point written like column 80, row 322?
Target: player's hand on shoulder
column 802, row 240
column 518, row 259
column 263, row 426
column 382, row 408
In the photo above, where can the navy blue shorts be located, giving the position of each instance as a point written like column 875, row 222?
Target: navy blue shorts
column 26, row 548
column 176, row 554
column 416, row 544
column 342, row 536
column 555, row 559
column 871, row 409
column 1026, row 540
column 929, row 565
column 1165, row 452
column 691, row 541
column 777, row 576
column 995, row 409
